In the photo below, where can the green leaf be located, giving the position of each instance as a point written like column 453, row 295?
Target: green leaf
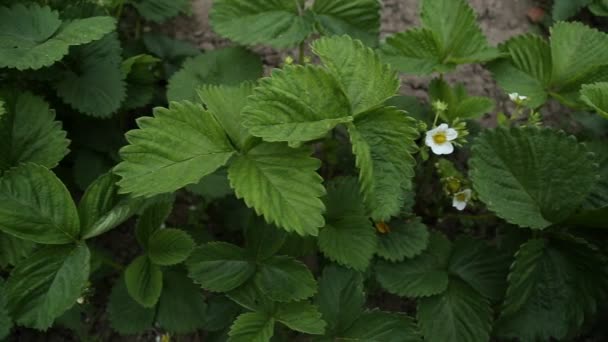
column 36, row 206
column 102, row 209
column 221, row 311
column 249, row 22
column 94, row 83
column 404, row 240
column 281, row 184
column 127, row 316
column 412, row 52
column 351, row 62
column 220, row 267
column 29, row 132
column 564, row 9
column 340, row 298
column 33, row 37
column 160, row 10
column 13, row 249
column 284, row 279
column 252, row 327
column 184, row 139
column 212, row 187
column 46, row 284
column 481, row 266
column 141, row 80
column 531, row 177
column 458, row 314
column 379, row 326
column 264, row 240
column 296, row 104
column 169, row 246
column 359, row 19
column 302, row 317
column 5, row 321
column 152, row 218
column 383, row 142
column 554, row 286
column 460, row 104
column 228, row 66
column 422, row 276
column 181, row 308
column 596, row 97
column 348, row 237
column 144, row 281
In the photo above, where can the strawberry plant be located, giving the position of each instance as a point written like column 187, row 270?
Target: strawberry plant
column 153, row 189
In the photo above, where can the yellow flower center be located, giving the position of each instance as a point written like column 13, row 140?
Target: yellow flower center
column 383, row 228
column 440, row 138
column 461, row 197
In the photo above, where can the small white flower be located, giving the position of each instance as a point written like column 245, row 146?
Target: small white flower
column 461, row 199
column 515, row 97
column 439, row 139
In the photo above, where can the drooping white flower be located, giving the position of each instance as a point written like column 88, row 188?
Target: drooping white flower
column 515, row 97
column 461, row 199
column 440, row 139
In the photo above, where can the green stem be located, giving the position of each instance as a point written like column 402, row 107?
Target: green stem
column 301, row 53
column 436, row 118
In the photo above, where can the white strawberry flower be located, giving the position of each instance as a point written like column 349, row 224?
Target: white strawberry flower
column 461, row 199
column 440, row 139
column 515, row 97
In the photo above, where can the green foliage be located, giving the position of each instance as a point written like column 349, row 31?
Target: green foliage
column 252, row 327
column 13, row 249
column 126, row 315
column 144, row 281
column 460, row 104
column 168, row 247
column 284, row 279
column 159, row 10
column 404, row 240
column 596, row 96
column 359, row 19
column 5, row 321
column 564, row 9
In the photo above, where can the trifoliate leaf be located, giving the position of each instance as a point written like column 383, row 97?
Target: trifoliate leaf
column 13, row 249
column 351, row 62
column 29, row 132
column 127, row 316
column 5, row 321
column 102, row 209
column 404, row 240
column 284, row 279
column 481, row 266
column 564, row 9
column 159, row 10
column 263, row 240
column 184, row 139
column 348, row 237
column 296, row 104
column 220, row 267
column 383, row 142
column 141, row 80
column 412, row 52
column 226, row 104
column 46, row 284
column 252, row 327
column 32, row 37
column 94, row 83
column 181, row 308
column 169, row 246
column 596, row 97
column 377, row 326
column 144, row 281
column 302, row 317
column 422, row 276
column 152, row 218
column 458, row 314
column 250, row 297
column 531, row 177
column 554, row 285
column 277, row 23
column 36, row 206
column 359, row 19
column 281, row 184
column 228, row 66
column 340, row 298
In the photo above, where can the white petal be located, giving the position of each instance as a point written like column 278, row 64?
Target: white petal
column 451, row 134
column 460, row 205
column 467, row 194
column 442, row 127
column 445, row 148
column 513, row 96
column 428, row 140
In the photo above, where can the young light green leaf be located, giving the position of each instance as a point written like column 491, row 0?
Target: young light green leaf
column 252, row 327
column 382, row 326
column 348, row 237
column 36, row 206
column 531, row 177
column 458, row 314
column 127, row 316
column 277, row 23
column 351, row 62
column 296, row 104
column 422, row 276
column 169, row 246
column 144, row 281
column 284, row 279
column 302, row 317
column 596, row 96
column 29, row 132
column 281, row 184
column 32, row 37
column 184, row 139
column 228, row 66
column 181, row 307
column 404, row 240
column 412, row 52
column 359, row 19
column 220, row 267
column 45, row 285
column 13, row 249
column 6, row 322
column 383, row 142
column 160, row 10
